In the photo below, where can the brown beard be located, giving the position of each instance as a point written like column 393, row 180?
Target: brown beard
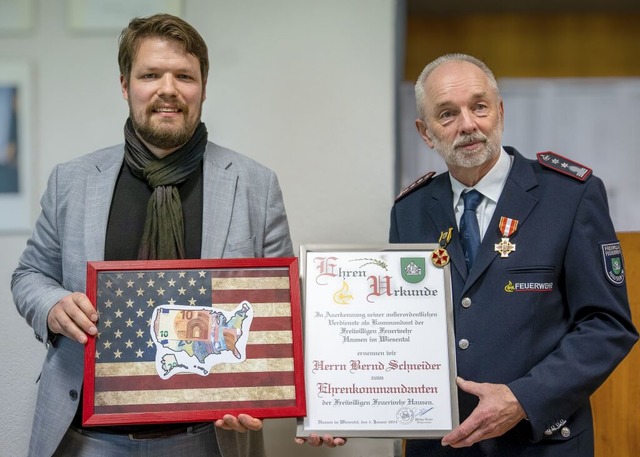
column 163, row 138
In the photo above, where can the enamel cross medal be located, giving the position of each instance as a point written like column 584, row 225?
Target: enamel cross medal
column 507, row 227
column 440, row 256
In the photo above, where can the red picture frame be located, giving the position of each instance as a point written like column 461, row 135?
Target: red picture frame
column 123, row 380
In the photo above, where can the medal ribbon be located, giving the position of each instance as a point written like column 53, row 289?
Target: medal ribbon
column 445, row 237
column 508, row 226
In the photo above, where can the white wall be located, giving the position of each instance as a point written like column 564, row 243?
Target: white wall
column 557, row 114
column 304, row 86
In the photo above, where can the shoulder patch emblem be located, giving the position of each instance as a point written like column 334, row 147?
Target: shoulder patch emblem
column 563, row 165
column 415, row 185
column 613, row 262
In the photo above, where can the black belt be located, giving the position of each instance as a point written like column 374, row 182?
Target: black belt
column 161, row 433
column 151, row 435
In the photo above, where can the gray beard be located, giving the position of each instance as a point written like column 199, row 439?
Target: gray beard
column 460, row 159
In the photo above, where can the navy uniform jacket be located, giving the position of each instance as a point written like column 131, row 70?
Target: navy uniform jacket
column 548, row 321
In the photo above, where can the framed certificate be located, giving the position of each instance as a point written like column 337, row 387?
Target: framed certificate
column 378, row 342
column 192, row 340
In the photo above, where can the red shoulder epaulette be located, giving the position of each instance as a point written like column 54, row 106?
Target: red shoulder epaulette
column 415, row 185
column 563, row 165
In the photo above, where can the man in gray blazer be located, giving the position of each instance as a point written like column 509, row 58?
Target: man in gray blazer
column 166, row 193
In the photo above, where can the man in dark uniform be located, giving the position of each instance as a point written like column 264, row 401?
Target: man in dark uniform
column 540, row 304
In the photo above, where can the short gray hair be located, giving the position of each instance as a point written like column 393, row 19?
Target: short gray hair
column 459, row 57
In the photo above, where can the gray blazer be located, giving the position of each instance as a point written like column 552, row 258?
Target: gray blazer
column 243, row 216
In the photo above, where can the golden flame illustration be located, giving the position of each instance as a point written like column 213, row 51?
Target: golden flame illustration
column 342, row 296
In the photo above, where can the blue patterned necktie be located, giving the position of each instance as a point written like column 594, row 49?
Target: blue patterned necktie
column 469, row 229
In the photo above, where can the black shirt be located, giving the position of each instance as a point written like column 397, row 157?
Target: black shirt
column 125, row 226
column 129, row 212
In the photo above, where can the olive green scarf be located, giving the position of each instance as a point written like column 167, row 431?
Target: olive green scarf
column 163, row 236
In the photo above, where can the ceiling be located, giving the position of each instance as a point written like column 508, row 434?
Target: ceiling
column 419, row 7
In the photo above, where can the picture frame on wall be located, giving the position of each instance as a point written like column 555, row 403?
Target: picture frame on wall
column 114, row 15
column 16, row 16
column 15, row 146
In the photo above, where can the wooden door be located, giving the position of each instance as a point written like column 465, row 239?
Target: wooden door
column 616, row 404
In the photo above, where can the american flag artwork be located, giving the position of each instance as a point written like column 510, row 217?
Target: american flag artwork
column 124, row 380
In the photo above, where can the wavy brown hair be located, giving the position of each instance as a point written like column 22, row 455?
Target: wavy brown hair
column 162, row 26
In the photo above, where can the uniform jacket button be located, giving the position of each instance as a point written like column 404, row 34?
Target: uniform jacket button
column 463, row 343
column 565, row 431
column 466, row 302
column 73, row 394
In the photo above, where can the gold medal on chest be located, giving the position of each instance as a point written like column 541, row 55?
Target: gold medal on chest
column 507, row 228
column 440, row 256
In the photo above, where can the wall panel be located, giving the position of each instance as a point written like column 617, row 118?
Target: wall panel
column 530, row 45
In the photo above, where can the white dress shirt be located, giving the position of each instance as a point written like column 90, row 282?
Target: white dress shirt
column 490, row 186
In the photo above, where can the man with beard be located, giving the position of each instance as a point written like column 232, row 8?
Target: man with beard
column 541, row 313
column 165, row 193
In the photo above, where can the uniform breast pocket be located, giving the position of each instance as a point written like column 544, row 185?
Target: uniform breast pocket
column 533, row 269
column 531, row 279
column 242, row 248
